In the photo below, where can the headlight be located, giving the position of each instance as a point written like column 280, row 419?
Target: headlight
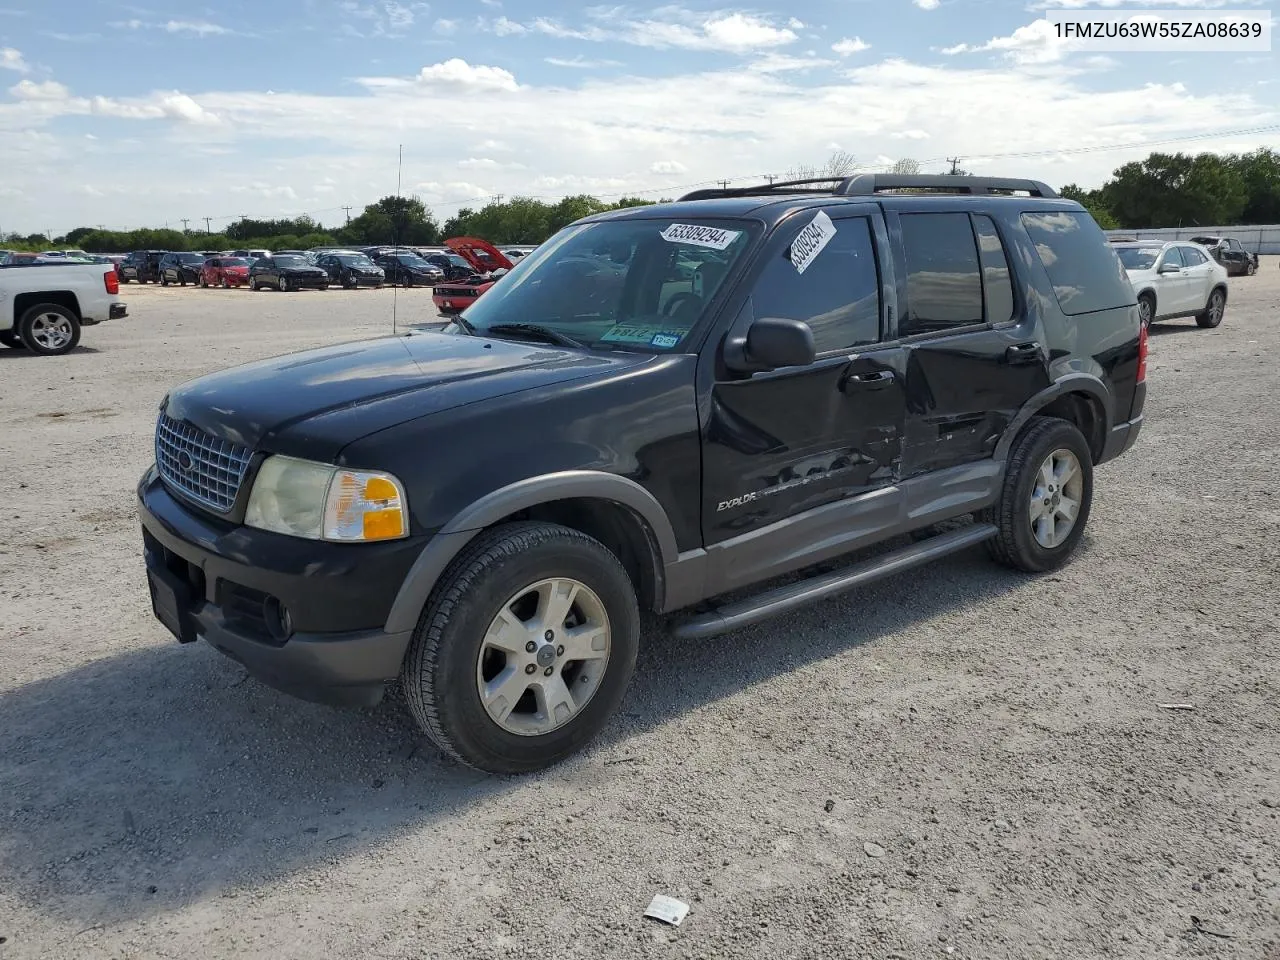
column 323, row 502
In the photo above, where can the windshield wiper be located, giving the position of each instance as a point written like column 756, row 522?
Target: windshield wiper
column 464, row 324
column 537, row 330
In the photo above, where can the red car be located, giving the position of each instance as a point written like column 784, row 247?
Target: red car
column 225, row 272
column 488, row 261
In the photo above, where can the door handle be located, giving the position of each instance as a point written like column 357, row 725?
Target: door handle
column 872, row 379
column 1023, row 353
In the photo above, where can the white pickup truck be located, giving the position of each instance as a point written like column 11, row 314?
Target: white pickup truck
column 44, row 305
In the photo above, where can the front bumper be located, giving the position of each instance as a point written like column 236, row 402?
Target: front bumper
column 308, row 282
column 227, row 584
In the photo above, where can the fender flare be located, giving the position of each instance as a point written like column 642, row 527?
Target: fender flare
column 468, row 522
column 1070, row 383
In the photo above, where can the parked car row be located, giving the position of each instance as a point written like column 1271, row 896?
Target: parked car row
column 458, row 275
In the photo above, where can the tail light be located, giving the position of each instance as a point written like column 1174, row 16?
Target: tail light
column 1142, row 354
column 112, row 280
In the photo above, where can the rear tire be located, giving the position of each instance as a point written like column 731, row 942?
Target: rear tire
column 1211, row 316
column 1251, row 269
column 1049, row 468
column 49, row 330
column 458, row 649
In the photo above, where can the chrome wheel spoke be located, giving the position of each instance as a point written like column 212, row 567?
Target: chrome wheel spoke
column 1068, row 509
column 555, row 600
column 503, row 692
column 555, row 702
column 507, row 634
column 586, row 643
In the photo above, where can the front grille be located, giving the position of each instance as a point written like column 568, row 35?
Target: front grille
column 199, row 466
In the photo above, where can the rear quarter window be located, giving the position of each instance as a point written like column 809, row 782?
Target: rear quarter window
column 1085, row 271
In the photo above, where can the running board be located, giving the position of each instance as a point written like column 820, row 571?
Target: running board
column 773, row 602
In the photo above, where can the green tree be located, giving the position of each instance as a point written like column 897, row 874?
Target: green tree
column 1091, row 201
column 399, row 220
column 1176, row 190
column 1260, row 171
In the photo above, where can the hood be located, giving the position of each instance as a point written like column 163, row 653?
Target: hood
column 313, row 403
column 234, row 269
column 483, row 256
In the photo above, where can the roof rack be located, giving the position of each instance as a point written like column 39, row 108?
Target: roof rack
column 869, row 184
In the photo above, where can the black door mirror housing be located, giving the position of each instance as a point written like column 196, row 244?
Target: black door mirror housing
column 770, row 343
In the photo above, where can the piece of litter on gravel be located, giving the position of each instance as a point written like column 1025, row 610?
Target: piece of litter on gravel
column 873, row 849
column 1198, row 925
column 667, row 909
column 1177, row 706
column 829, row 806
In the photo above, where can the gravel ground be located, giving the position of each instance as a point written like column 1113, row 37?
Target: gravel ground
column 959, row 762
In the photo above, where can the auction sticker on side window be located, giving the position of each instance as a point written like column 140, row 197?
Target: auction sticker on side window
column 806, row 247
column 713, row 238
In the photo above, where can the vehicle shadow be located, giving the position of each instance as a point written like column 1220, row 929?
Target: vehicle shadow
column 141, row 782
column 1164, row 327
column 9, row 353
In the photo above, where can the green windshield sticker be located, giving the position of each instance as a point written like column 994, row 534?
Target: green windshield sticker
column 625, row 333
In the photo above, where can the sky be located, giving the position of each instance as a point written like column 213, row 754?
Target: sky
column 127, row 115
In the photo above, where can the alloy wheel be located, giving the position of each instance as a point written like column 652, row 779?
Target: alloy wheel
column 543, row 656
column 1055, row 498
column 51, row 330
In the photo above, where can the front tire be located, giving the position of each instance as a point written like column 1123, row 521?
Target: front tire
column 1146, row 309
column 1045, row 499
column 1211, row 316
column 1251, row 269
column 49, row 330
column 470, row 678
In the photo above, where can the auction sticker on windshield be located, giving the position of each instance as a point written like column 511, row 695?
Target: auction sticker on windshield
column 713, row 238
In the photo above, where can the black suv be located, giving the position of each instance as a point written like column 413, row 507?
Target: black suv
column 483, row 512
column 181, row 268
column 1231, row 253
column 142, row 266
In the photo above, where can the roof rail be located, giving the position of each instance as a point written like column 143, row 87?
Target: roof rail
column 869, row 184
column 866, row 184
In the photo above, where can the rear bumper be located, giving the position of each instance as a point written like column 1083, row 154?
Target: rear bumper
column 116, row 311
column 1123, row 436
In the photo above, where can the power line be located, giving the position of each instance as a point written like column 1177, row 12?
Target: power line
column 185, row 221
column 347, row 211
column 954, row 161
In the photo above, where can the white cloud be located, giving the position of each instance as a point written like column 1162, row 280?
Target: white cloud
column 600, row 134
column 681, row 29
column 458, row 73
column 171, row 106
column 506, row 28
column 486, row 163
column 1165, row 4
column 581, row 63
column 446, row 27
column 196, row 28
column 1037, row 42
column 48, row 90
column 850, row 45
column 795, row 24
column 779, row 62
column 11, row 59
column 927, row 4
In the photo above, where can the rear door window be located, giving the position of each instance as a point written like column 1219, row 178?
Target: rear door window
column 997, row 284
column 944, row 279
column 1085, row 272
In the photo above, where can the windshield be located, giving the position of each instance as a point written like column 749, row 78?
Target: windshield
column 235, row 262
column 409, row 260
column 1138, row 258
column 354, row 261
column 291, row 262
column 618, row 283
column 190, row 258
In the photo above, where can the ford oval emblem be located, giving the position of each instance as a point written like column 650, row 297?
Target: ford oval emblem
column 185, row 463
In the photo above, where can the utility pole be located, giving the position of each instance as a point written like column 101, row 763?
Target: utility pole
column 185, row 221
column 724, row 184
column 207, row 228
column 347, row 211
column 954, row 161
column 771, row 177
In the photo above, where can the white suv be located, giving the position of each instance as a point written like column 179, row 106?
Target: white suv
column 1174, row 279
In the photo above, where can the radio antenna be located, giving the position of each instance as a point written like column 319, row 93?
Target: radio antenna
column 395, row 238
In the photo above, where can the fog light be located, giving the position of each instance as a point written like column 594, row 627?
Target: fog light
column 279, row 622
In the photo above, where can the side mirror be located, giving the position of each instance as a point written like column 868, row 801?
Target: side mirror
column 773, row 342
column 1170, row 268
